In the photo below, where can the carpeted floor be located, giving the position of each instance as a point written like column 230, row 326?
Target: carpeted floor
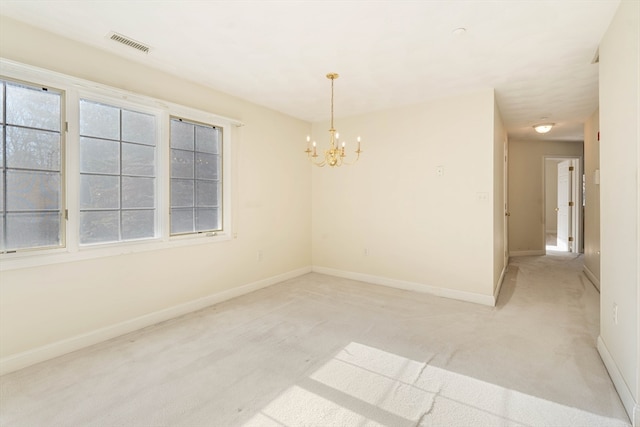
column 324, row 351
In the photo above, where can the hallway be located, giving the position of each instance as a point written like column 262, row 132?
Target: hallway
column 321, row 350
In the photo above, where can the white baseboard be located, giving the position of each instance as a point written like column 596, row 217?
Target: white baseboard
column 592, row 277
column 496, row 294
column 630, row 405
column 409, row 286
column 59, row 348
column 528, row 253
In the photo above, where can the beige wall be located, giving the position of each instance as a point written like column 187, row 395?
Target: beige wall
column 418, row 227
column 592, row 198
column 500, row 255
column 619, row 204
column 271, row 211
column 392, row 217
column 526, row 191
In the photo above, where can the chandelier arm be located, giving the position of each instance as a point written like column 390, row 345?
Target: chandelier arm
column 353, row 162
column 358, row 151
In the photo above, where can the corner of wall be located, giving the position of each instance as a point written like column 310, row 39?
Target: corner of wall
column 592, row 277
column 496, row 293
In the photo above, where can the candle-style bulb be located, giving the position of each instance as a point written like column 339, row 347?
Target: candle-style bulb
column 337, row 135
column 358, row 139
column 314, row 144
column 308, row 138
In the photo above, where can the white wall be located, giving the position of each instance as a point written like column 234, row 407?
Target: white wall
column 619, row 204
column 592, row 199
column 271, row 210
column 419, row 228
column 526, row 191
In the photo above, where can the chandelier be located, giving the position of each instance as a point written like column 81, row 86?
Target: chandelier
column 335, row 154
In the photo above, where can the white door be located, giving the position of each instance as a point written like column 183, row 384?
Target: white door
column 563, row 208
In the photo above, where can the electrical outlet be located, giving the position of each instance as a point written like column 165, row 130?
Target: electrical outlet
column 483, row 197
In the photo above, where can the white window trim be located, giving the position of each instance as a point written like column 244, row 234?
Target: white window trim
column 76, row 89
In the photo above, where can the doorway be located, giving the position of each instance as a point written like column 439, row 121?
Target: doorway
column 563, row 208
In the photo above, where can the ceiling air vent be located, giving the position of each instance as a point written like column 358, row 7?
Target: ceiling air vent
column 129, row 42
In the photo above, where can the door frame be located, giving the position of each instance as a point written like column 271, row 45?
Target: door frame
column 577, row 213
column 505, row 192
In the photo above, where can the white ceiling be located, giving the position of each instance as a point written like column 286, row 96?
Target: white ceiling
column 536, row 54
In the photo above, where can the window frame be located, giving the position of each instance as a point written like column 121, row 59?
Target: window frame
column 221, row 177
column 63, row 143
column 73, row 89
column 123, row 105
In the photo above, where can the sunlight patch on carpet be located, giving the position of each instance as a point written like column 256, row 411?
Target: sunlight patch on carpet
column 366, row 386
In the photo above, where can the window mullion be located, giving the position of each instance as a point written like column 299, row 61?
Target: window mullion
column 72, row 170
column 163, row 178
column 195, row 190
column 4, row 166
column 120, row 210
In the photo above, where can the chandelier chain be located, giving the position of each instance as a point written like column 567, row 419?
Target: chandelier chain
column 332, row 80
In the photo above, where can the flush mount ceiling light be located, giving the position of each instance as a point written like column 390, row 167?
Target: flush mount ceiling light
column 543, row 127
column 335, row 154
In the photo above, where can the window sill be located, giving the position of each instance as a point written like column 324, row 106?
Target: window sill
column 28, row 259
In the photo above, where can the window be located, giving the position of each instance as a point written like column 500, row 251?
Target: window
column 31, row 196
column 88, row 170
column 117, row 174
column 195, row 177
